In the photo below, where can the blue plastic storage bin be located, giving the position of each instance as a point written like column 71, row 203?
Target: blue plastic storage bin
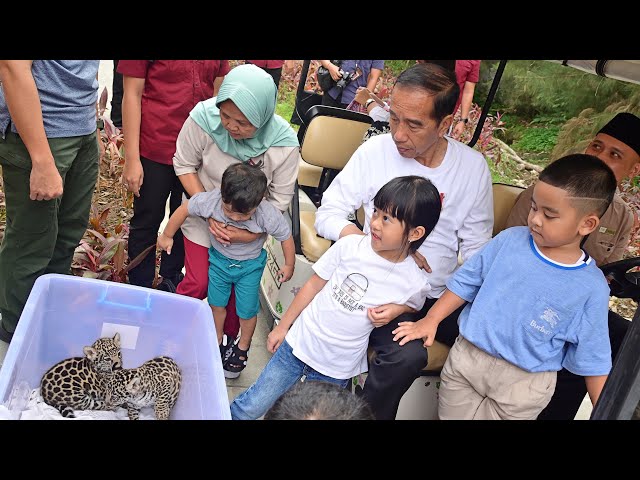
column 65, row 313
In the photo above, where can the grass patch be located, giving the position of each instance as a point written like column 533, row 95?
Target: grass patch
column 286, row 103
column 510, row 172
column 538, row 139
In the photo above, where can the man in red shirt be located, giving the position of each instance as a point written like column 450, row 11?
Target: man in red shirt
column 158, row 96
column 467, row 74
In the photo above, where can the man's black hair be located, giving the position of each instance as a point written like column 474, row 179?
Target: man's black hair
column 435, row 80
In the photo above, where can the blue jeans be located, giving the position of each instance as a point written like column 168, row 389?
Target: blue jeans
column 278, row 376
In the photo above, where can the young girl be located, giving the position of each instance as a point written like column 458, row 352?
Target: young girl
column 360, row 283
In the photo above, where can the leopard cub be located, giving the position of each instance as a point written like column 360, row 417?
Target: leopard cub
column 156, row 382
column 78, row 383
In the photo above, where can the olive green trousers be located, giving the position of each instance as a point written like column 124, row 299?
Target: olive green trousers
column 41, row 236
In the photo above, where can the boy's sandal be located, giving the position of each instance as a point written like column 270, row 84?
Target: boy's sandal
column 225, row 351
column 236, row 361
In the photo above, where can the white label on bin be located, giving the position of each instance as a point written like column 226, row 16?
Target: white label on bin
column 128, row 334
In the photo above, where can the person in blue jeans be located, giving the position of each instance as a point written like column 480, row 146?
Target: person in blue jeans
column 358, row 283
column 240, row 201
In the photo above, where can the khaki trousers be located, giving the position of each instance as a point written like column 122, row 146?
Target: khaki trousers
column 478, row 386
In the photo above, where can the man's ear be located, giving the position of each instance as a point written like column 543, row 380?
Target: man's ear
column 588, row 224
column 417, row 233
column 635, row 170
column 445, row 124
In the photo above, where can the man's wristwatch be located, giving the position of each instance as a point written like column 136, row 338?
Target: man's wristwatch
column 368, row 102
column 464, row 120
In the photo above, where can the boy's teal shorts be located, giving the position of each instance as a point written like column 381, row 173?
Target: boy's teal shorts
column 245, row 275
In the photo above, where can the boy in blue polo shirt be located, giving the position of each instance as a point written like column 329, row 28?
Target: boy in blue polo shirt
column 537, row 304
column 239, row 202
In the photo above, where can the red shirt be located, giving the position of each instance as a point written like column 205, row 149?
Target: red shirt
column 171, row 89
column 466, row 71
column 267, row 63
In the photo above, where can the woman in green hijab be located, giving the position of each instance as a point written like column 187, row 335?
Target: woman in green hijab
column 239, row 125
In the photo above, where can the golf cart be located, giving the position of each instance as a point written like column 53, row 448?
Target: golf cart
column 328, row 137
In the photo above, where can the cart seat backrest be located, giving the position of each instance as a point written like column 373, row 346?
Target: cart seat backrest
column 504, row 198
column 332, row 136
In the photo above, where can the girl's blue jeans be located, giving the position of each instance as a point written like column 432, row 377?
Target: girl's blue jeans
column 279, row 375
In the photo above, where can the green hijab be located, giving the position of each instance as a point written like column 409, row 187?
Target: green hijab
column 254, row 92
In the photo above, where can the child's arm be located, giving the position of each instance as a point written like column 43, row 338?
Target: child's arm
column 383, row 314
column 426, row 327
column 594, row 387
column 299, row 303
column 165, row 239
column 289, row 251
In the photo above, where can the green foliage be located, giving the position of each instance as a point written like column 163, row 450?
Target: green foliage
column 505, row 171
column 538, row 140
column 396, row 67
column 575, row 134
column 534, row 88
column 102, row 253
column 513, row 131
column 487, row 72
column 286, row 102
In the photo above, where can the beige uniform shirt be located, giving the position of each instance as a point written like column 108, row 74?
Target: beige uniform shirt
column 606, row 244
column 196, row 152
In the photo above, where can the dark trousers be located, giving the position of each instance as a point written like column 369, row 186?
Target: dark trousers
column 276, row 73
column 571, row 388
column 395, row 367
column 41, row 236
column 159, row 183
column 332, row 102
column 117, row 91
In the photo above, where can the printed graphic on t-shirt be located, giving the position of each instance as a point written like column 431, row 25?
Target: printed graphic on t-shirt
column 349, row 294
column 548, row 316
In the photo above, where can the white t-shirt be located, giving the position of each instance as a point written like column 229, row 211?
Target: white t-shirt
column 332, row 333
column 463, row 180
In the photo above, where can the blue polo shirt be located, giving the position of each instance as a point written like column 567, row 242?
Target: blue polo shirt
column 533, row 312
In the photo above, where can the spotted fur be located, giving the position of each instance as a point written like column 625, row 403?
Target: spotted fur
column 156, row 383
column 78, row 383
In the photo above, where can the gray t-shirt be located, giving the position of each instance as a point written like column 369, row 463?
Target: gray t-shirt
column 68, row 91
column 267, row 219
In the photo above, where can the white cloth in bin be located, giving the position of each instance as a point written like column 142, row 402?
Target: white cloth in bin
column 6, row 414
column 37, row 409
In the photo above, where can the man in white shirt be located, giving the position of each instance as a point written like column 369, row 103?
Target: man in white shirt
column 421, row 109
